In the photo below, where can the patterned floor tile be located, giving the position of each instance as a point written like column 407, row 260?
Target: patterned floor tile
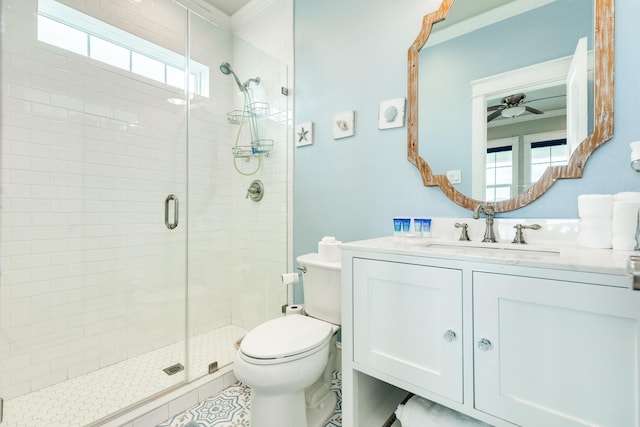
column 232, row 408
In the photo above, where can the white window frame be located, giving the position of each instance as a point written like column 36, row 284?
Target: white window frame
column 539, row 137
column 515, row 155
column 198, row 81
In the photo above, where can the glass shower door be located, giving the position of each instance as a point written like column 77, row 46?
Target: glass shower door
column 237, row 246
column 93, row 245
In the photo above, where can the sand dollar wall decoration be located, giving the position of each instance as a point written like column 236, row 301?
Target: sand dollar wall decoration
column 391, row 113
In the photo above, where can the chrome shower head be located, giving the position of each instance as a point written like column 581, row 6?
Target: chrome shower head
column 225, row 68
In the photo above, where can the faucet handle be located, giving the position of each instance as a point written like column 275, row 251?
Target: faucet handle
column 519, row 237
column 464, row 235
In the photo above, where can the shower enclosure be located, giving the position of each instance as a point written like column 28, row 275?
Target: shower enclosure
column 131, row 261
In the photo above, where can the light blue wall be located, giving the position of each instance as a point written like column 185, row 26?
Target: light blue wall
column 352, row 54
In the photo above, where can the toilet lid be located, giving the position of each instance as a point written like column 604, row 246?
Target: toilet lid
column 285, row 336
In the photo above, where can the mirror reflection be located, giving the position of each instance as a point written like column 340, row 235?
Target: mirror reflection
column 507, row 86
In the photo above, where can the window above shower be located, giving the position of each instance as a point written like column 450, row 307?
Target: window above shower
column 74, row 31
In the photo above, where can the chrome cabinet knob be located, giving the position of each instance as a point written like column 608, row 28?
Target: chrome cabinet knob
column 449, row 336
column 484, row 344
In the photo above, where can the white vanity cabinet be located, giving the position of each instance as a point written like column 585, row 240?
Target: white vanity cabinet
column 409, row 323
column 555, row 353
column 509, row 341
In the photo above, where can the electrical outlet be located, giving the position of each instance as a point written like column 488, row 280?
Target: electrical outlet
column 454, row 176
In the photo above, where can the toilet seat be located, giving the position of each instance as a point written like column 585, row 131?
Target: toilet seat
column 284, row 339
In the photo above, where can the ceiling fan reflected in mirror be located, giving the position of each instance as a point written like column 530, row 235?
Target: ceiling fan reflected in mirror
column 511, row 106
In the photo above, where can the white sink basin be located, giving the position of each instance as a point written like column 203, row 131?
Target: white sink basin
column 479, row 247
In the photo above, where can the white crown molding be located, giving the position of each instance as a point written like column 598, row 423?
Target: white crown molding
column 208, row 12
column 485, row 19
column 249, row 11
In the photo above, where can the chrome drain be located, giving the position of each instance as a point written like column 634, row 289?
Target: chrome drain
column 173, row 369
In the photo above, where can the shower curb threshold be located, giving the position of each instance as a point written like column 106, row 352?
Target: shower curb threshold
column 175, row 401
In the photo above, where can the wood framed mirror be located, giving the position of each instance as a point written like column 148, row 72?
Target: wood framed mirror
column 600, row 110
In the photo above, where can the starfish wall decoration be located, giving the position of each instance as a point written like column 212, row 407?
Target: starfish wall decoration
column 304, row 134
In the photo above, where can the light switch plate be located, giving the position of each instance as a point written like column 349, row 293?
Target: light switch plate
column 454, row 176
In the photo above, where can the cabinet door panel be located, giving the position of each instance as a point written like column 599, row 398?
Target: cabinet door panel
column 401, row 314
column 561, row 354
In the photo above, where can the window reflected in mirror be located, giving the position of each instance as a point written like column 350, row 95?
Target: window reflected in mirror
column 513, row 164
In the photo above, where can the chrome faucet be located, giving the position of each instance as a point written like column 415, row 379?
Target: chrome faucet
column 488, row 211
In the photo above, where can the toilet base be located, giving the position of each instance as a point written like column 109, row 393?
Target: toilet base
column 289, row 410
column 319, row 399
column 279, row 410
column 319, row 414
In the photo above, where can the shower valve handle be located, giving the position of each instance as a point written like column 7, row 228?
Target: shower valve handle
column 255, row 191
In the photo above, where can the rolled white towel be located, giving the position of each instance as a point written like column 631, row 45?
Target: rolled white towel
column 595, row 205
column 595, row 225
column 623, row 244
column 625, row 216
column 593, row 231
column 419, row 412
column 624, row 224
column 631, row 196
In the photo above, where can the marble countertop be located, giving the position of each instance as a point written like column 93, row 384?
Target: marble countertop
column 554, row 256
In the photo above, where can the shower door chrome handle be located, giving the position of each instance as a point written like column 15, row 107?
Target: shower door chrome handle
column 174, row 224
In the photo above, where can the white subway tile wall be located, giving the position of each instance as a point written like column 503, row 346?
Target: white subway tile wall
column 90, row 275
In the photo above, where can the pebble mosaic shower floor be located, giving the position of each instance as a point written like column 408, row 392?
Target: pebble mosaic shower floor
column 85, row 399
column 231, row 408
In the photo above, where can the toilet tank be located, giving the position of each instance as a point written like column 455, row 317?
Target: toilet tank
column 322, row 284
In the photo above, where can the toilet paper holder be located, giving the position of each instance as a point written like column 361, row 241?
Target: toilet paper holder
column 290, row 278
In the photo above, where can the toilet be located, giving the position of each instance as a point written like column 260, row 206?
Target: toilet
column 288, row 361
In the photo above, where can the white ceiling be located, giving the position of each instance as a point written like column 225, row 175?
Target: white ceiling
column 228, row 6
